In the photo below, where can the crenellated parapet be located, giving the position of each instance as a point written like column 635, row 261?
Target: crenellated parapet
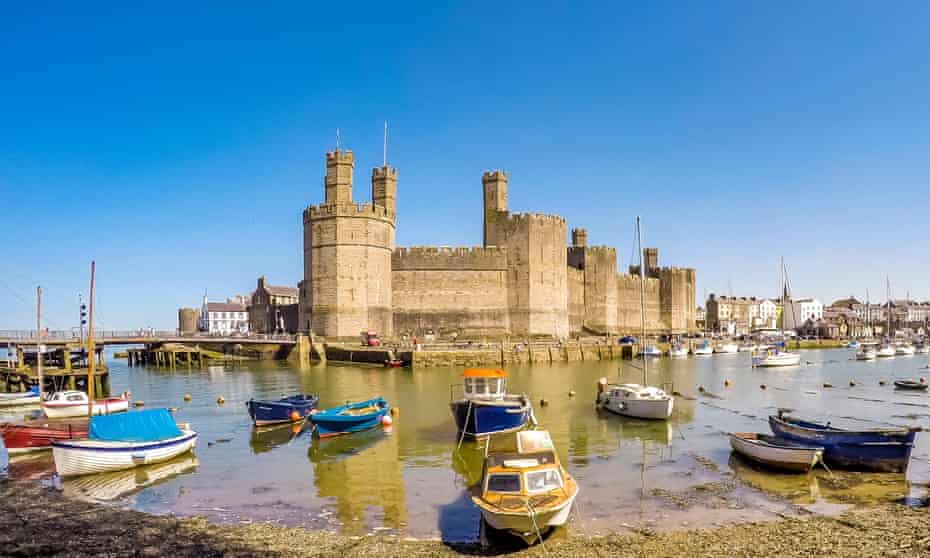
column 349, row 209
column 471, row 258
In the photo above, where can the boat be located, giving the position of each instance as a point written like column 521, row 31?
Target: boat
column 294, row 408
column 866, row 351
column 886, row 350
column 886, row 450
column 117, row 442
column 922, row 348
column 394, row 363
column 30, row 397
column 904, row 349
column 349, row 418
column 677, row 350
column 524, row 489
column 651, row 351
column 775, row 452
column 852, row 344
column 703, row 349
column 748, row 347
column 775, row 356
column 727, row 348
column 635, row 400
column 37, row 435
column 68, row 404
column 486, row 408
column 912, row 384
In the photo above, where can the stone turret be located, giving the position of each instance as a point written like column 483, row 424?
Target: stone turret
column 579, row 238
column 384, row 187
column 494, row 184
column 338, row 183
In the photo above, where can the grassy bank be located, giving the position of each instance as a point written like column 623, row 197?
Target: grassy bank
column 38, row 521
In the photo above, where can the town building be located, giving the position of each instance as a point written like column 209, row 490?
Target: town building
column 273, row 309
column 224, row 318
column 800, row 310
column 523, row 280
column 769, row 313
column 732, row 315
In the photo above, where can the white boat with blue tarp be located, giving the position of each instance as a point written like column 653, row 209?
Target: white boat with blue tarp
column 116, row 442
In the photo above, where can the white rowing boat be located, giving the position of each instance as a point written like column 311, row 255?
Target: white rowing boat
column 775, row 452
column 69, row 404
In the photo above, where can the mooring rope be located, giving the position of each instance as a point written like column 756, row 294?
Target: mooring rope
column 465, row 426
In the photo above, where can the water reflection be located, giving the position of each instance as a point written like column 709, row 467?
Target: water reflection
column 267, row 438
column 110, row 486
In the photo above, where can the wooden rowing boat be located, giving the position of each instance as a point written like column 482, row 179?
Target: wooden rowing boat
column 775, row 452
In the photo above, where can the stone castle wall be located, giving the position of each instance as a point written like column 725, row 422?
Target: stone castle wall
column 628, row 307
column 450, row 289
column 576, row 309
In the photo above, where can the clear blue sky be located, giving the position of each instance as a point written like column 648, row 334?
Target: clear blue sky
column 177, row 143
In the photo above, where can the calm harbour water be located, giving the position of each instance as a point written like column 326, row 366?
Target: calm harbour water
column 413, row 481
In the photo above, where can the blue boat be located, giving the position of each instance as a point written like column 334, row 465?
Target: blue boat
column 349, row 418
column 886, row 450
column 287, row 409
column 486, row 408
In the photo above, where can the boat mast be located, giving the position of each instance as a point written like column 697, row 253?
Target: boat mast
column 642, row 299
column 888, row 306
column 90, row 347
column 39, row 347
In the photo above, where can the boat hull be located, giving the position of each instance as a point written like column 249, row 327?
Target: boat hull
column 333, row 423
column 786, row 458
column 265, row 413
column 85, row 457
column 25, row 438
column 18, row 399
column 525, row 525
column 478, row 418
column 884, row 451
column 651, row 409
column 55, row 410
column 782, row 359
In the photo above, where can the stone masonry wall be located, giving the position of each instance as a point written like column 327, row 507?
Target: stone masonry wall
column 628, row 307
column 446, row 290
column 575, row 279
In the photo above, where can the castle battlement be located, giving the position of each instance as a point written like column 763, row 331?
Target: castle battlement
column 348, row 209
column 453, row 258
column 340, row 155
column 493, row 175
column 381, row 172
column 535, row 219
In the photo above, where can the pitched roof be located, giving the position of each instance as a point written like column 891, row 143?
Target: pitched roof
column 225, row 307
column 281, row 291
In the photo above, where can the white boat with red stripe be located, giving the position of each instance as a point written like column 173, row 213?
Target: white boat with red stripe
column 67, row 404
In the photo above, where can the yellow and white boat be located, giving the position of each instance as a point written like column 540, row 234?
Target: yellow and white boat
column 524, row 489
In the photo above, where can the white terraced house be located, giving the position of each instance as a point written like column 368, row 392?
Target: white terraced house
column 224, row 318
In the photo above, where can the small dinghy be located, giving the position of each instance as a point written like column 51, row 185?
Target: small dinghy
column 349, row 418
column 120, row 442
column 37, row 435
column 30, row 397
column 911, row 384
column 885, row 450
column 524, row 489
column 775, row 452
column 294, row 408
column 69, row 404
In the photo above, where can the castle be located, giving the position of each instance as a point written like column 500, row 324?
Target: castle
column 523, row 281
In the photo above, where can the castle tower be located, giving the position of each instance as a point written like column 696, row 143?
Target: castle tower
column 338, row 183
column 651, row 257
column 347, row 284
column 579, row 238
column 494, row 184
column 384, row 187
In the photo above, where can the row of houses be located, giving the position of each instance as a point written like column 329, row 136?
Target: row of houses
column 268, row 309
column 730, row 315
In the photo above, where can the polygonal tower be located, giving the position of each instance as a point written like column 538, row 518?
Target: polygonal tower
column 347, row 255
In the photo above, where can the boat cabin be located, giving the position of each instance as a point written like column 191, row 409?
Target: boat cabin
column 69, row 397
column 483, row 383
column 524, row 464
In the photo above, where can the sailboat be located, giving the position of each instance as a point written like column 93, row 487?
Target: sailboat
column 637, row 400
column 866, row 350
column 775, row 356
column 887, row 350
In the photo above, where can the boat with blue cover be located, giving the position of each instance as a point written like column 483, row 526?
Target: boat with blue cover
column 294, row 408
column 349, row 418
column 486, row 408
column 887, row 449
column 116, row 442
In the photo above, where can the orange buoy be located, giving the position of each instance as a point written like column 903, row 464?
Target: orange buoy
column 220, row 400
column 139, row 403
column 762, row 386
column 187, row 397
column 295, row 416
column 701, row 389
column 386, row 420
column 726, row 383
column 395, row 411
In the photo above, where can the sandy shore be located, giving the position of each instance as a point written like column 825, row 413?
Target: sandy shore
column 37, row 521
